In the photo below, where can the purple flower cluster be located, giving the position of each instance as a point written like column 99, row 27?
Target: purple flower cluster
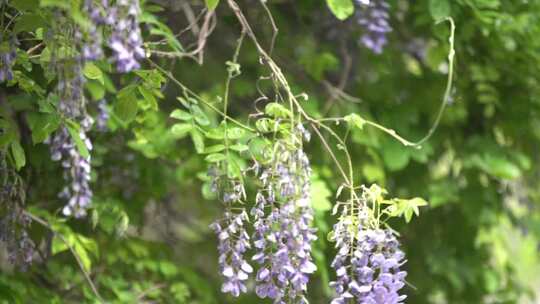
column 103, row 115
column 233, row 243
column 92, row 49
column 77, row 169
column 63, row 147
column 13, row 221
column 283, row 236
column 8, row 53
column 373, row 16
column 233, row 239
column 126, row 40
column 367, row 266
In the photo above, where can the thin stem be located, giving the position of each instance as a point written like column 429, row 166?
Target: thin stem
column 186, row 89
column 331, row 154
column 279, row 76
column 445, row 99
column 275, row 29
column 388, row 131
column 448, row 91
column 77, row 258
column 230, row 76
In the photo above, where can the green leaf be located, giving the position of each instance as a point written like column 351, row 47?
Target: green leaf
column 211, row 4
column 81, row 252
column 126, row 106
column 29, row 23
column 416, row 202
column 58, row 245
column 42, row 125
column 151, row 101
column 198, row 140
column 235, row 133
column 181, row 114
column 89, row 244
column 405, row 208
column 91, row 71
column 354, row 120
column 181, row 130
column 265, row 125
column 161, row 29
column 439, row 9
column 239, row 147
column 97, row 90
column 216, row 133
column 8, row 135
column 408, row 215
column 73, row 129
column 214, row 149
column 18, row 155
column 25, row 5
column 342, row 9
column 497, row 164
column 200, row 116
column 233, row 167
column 277, row 110
column 215, row 157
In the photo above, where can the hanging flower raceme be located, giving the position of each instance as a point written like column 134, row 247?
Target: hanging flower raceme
column 373, row 16
column 8, row 54
column 72, row 106
column 96, row 11
column 103, row 115
column 367, row 262
column 77, row 169
column 126, row 40
column 283, row 235
column 233, row 239
column 13, row 221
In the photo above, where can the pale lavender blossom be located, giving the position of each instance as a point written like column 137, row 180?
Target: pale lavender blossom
column 14, row 222
column 126, row 40
column 374, row 18
column 283, row 235
column 233, row 238
column 77, row 168
column 92, row 48
column 367, row 266
column 233, row 243
column 8, row 54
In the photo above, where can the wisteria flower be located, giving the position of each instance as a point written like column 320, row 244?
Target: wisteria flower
column 8, row 54
column 126, row 40
column 283, row 236
column 374, row 18
column 367, row 266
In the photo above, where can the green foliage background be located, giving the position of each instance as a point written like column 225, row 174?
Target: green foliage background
column 147, row 238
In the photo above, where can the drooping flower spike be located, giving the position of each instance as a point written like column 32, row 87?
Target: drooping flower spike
column 96, row 11
column 367, row 262
column 126, row 41
column 14, row 223
column 8, row 54
column 68, row 67
column 233, row 239
column 283, row 233
column 373, row 16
